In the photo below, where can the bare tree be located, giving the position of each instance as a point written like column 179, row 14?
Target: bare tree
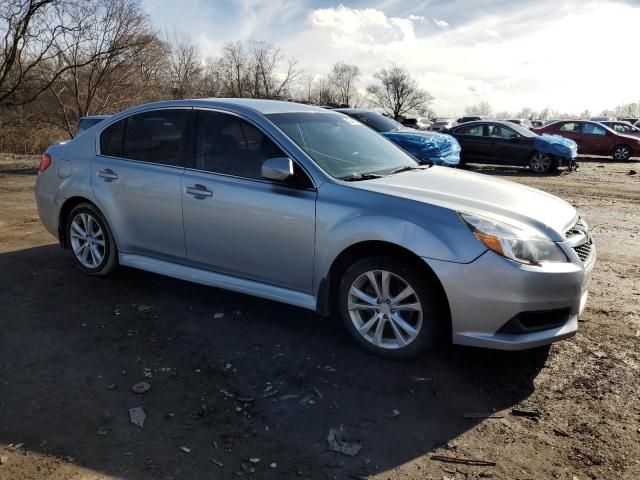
column 397, row 92
column 325, row 93
column 265, row 81
column 186, row 66
column 111, row 34
column 234, row 69
column 482, row 108
column 28, row 33
column 343, row 77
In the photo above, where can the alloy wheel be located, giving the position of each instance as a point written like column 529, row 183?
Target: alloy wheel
column 540, row 163
column 621, row 153
column 385, row 309
column 87, row 240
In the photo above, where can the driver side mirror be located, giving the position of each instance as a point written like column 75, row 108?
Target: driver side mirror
column 278, row 169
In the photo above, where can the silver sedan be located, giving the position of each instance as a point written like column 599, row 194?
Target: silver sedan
column 309, row 207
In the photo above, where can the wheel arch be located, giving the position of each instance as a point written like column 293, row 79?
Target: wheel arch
column 329, row 285
column 617, row 145
column 68, row 205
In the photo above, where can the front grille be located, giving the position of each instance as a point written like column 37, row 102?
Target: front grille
column 584, row 250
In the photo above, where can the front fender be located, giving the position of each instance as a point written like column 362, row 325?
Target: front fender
column 346, row 217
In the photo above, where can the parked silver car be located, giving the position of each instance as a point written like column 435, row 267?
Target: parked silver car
column 309, row 207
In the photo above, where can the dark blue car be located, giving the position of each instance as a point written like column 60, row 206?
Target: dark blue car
column 428, row 147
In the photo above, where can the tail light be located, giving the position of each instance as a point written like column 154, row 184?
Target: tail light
column 45, row 162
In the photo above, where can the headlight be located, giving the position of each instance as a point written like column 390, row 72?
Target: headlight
column 512, row 242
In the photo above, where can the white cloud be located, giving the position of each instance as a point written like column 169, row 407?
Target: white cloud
column 441, row 23
column 416, row 18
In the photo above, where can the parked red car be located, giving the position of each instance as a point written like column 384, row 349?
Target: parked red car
column 594, row 139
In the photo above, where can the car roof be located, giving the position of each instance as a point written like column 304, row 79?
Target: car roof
column 354, row 110
column 94, row 117
column 485, row 122
column 256, row 105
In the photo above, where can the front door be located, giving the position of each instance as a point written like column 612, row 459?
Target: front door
column 238, row 223
column 136, row 181
column 596, row 139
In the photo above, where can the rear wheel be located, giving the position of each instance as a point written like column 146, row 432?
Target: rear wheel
column 621, row 153
column 541, row 163
column 91, row 241
column 389, row 307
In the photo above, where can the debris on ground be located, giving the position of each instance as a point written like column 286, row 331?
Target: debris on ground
column 216, row 462
column 523, row 412
column 144, row 308
column 560, row 433
column 137, row 416
column 254, row 460
column 274, row 465
column 185, row 449
column 4, row 459
column 288, row 396
column 632, row 172
column 420, row 379
column 141, row 387
column 339, row 443
column 463, row 461
column 218, row 315
column 393, row 413
column 308, row 400
column 245, row 399
column 247, row 468
column 112, row 386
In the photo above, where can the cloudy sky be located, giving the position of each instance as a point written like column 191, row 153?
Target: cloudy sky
column 569, row 55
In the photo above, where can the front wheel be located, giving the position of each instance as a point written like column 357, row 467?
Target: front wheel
column 621, row 153
column 91, row 241
column 389, row 307
column 541, row 163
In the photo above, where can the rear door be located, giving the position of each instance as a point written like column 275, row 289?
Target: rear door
column 472, row 142
column 136, row 180
column 237, row 222
column 597, row 139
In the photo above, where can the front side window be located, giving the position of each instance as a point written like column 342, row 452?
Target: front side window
column 496, row 131
column 378, row 122
column 230, row 145
column 591, row 129
column 340, row 145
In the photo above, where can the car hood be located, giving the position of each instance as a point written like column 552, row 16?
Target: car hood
column 556, row 145
column 480, row 194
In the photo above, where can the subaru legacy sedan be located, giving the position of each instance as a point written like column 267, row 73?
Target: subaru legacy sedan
column 312, row 208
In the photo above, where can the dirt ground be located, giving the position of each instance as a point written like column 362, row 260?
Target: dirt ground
column 246, row 388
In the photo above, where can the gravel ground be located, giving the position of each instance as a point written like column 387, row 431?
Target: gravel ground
column 246, row 388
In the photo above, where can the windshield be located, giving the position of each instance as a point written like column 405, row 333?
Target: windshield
column 340, row 145
column 378, row 122
column 525, row 132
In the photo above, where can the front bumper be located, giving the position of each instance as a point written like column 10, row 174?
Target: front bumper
column 488, row 293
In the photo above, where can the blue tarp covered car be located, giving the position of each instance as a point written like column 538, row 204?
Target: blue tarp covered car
column 427, row 147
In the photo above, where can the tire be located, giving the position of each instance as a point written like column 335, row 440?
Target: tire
column 542, row 163
column 420, row 312
column 94, row 253
column 621, row 153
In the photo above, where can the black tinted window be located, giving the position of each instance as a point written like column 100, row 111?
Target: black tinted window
column 227, row 144
column 111, row 139
column 474, row 130
column 158, row 136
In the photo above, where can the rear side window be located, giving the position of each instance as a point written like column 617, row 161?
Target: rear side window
column 158, row 136
column 474, row 130
column 230, row 145
column 570, row 127
column 111, row 139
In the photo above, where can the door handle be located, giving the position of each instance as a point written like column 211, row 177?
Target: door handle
column 107, row 175
column 198, row 191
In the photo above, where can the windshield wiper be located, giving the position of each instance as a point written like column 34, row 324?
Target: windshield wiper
column 406, row 168
column 361, row 176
